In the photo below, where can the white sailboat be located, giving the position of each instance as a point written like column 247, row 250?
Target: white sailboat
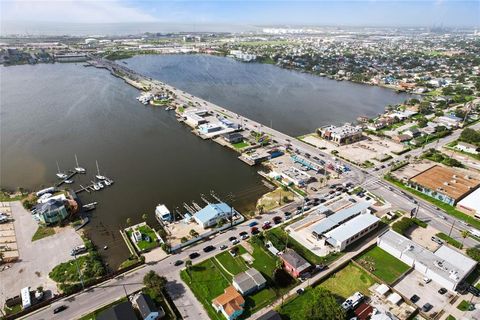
column 99, row 176
column 77, row 167
column 60, row 174
column 95, row 186
column 68, row 181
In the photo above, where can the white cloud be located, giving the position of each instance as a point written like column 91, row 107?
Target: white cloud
column 74, row 11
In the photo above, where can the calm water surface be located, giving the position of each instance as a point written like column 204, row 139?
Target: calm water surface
column 50, row 112
column 293, row 102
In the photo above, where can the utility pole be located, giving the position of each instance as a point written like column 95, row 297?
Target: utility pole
column 78, row 271
column 451, row 228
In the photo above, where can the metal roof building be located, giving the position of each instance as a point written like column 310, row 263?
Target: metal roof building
column 352, row 230
column 339, row 217
column 445, row 266
column 210, row 215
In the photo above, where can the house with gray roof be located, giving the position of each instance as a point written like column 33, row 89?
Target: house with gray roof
column 249, row 281
column 294, row 263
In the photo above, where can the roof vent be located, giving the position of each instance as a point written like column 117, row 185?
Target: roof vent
column 467, row 177
column 453, row 181
column 445, row 183
column 454, row 176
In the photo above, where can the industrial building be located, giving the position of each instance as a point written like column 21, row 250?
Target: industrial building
column 445, row 266
column 446, row 184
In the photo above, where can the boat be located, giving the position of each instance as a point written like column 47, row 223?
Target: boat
column 60, row 174
column 95, row 186
column 162, row 214
column 105, row 247
column 99, row 176
column 100, row 184
column 68, row 181
column 89, row 206
column 106, row 182
column 77, row 167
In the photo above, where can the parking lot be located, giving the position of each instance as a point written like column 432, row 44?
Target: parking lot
column 37, row 258
column 413, row 283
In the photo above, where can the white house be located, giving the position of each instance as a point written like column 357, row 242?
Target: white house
column 467, row 147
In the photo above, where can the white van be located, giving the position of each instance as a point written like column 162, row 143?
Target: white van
column 475, row 232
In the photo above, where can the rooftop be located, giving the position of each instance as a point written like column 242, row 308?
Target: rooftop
column 454, row 183
column 211, row 211
column 352, row 227
column 249, row 279
column 145, row 305
column 447, row 262
column 294, row 259
column 339, row 217
column 472, row 201
column 230, row 300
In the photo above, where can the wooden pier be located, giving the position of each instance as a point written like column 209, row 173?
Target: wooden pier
column 72, row 173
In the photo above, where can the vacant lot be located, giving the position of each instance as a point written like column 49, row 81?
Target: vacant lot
column 347, row 281
column 382, row 264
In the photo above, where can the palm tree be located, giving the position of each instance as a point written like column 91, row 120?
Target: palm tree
column 129, row 221
column 464, row 234
column 144, row 217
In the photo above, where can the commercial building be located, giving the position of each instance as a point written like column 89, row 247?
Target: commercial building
column 294, row 263
column 341, row 135
column 445, row 266
column 249, row 281
column 296, row 176
column 195, row 117
column 351, row 231
column 446, row 184
column 471, row 204
column 230, row 303
column 467, row 147
column 234, row 137
column 212, row 213
column 207, row 128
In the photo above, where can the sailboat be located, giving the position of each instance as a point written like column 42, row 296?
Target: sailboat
column 99, row 176
column 59, row 174
column 77, row 167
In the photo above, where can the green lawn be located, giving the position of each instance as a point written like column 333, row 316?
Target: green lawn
column 234, row 265
column 240, row 145
column 347, row 281
column 15, row 309
column 292, row 309
column 382, row 264
column 143, row 244
column 43, row 232
column 442, row 205
column 464, row 305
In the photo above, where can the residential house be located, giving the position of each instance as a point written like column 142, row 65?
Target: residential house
column 52, row 211
column 449, row 121
column 249, row 281
column 412, row 132
column 294, row 263
column 401, row 138
column 234, row 137
column 147, row 308
column 230, row 303
column 121, row 311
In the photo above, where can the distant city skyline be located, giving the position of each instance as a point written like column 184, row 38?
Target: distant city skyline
column 25, row 15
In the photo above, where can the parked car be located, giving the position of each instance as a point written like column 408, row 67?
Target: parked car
column 253, row 223
column 287, row 213
column 208, row 248
column 254, row 230
column 232, row 238
column 60, row 308
column 414, row 298
column 236, row 241
column 277, row 219
column 437, row 240
column 427, row 307
column 427, row 280
column 442, row 291
column 266, row 226
column 223, row 247
column 266, row 223
column 473, row 290
column 178, row 263
column 300, row 291
column 245, row 237
column 242, row 233
column 313, row 189
column 194, row 255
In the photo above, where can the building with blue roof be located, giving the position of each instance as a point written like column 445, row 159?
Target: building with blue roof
column 213, row 213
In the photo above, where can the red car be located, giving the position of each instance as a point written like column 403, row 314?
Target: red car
column 254, row 230
column 266, row 226
column 277, row 219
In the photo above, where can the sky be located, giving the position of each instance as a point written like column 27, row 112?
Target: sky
column 428, row 13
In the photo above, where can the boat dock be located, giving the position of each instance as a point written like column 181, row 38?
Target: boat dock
column 70, row 175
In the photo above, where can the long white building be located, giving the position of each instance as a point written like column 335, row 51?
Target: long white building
column 445, row 266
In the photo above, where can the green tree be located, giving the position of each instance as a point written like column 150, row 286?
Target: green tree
column 154, row 283
column 474, row 253
column 323, row 306
column 188, row 266
column 144, row 217
column 464, row 234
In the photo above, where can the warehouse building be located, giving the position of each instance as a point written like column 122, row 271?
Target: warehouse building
column 351, row 231
column 445, row 266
